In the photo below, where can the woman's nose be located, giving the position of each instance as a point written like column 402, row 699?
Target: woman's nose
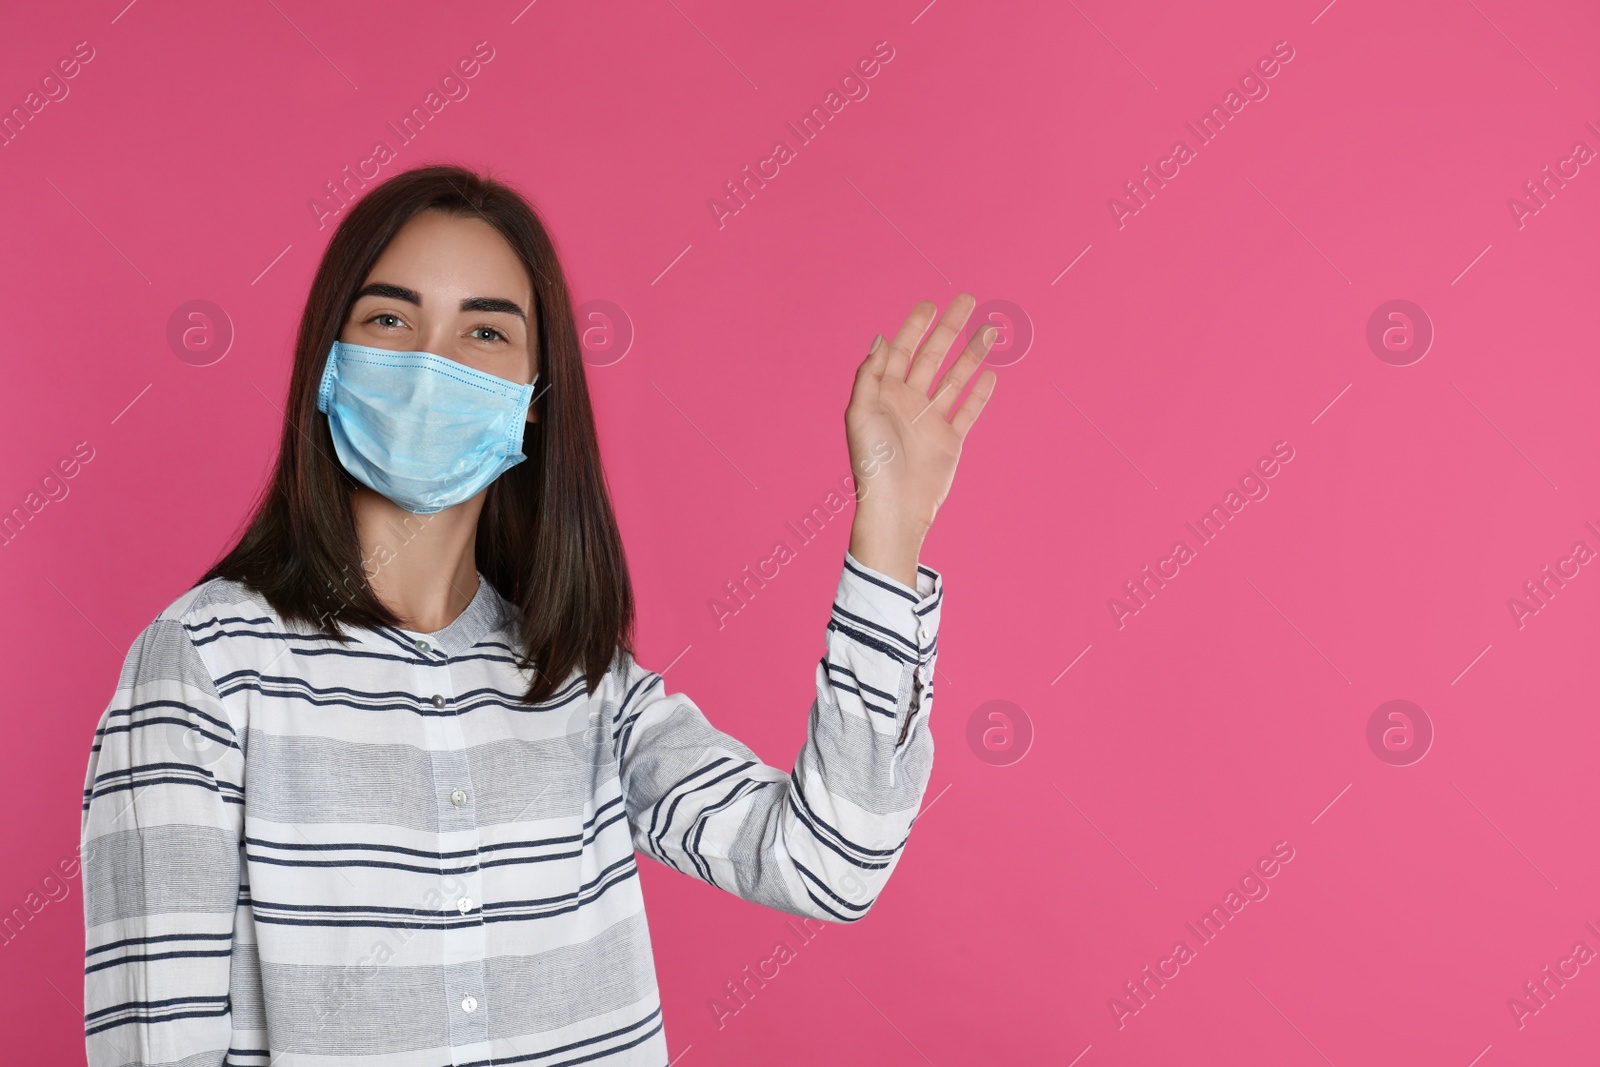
column 436, row 339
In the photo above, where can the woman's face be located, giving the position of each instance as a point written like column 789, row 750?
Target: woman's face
column 450, row 285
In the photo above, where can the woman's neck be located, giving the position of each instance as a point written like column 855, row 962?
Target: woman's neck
column 422, row 567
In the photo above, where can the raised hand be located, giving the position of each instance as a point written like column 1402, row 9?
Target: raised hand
column 904, row 445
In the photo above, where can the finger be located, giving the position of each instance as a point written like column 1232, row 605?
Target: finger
column 906, row 338
column 933, row 350
column 955, row 379
column 972, row 407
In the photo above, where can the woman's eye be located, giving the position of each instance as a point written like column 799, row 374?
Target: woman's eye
column 386, row 320
column 492, row 334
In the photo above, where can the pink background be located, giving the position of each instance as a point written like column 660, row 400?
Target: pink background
column 1228, row 314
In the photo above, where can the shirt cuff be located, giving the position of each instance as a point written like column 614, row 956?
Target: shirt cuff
column 907, row 619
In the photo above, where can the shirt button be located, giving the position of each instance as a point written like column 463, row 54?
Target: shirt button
column 422, row 646
column 469, row 1004
column 438, row 700
column 922, row 632
column 465, row 904
column 459, row 797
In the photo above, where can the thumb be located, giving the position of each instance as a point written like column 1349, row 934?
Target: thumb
column 871, row 369
column 877, row 356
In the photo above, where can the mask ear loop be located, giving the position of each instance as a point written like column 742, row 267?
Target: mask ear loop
column 534, row 399
column 528, row 423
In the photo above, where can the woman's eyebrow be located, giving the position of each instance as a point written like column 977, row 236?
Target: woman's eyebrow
column 475, row 303
column 493, row 303
column 393, row 292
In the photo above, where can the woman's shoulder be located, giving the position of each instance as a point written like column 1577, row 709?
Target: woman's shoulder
column 627, row 681
column 205, row 613
column 215, row 600
column 173, row 645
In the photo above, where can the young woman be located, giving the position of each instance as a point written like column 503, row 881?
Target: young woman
column 371, row 790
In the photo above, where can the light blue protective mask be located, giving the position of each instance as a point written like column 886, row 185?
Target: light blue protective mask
column 424, row 431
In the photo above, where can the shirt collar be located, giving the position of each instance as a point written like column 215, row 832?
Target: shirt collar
column 486, row 613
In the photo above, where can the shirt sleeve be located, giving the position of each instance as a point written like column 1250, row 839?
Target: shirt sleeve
column 162, row 820
column 821, row 840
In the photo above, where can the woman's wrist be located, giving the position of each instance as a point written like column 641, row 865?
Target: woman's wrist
column 886, row 545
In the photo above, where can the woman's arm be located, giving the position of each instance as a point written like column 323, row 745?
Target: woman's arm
column 162, row 819
column 822, row 840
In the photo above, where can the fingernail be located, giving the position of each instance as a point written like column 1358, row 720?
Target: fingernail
column 876, row 343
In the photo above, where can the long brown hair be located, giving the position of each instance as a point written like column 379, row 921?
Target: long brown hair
column 547, row 538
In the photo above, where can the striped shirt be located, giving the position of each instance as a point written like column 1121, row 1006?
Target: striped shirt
column 306, row 853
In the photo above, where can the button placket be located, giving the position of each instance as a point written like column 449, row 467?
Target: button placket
column 921, row 677
column 463, row 941
column 925, row 655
